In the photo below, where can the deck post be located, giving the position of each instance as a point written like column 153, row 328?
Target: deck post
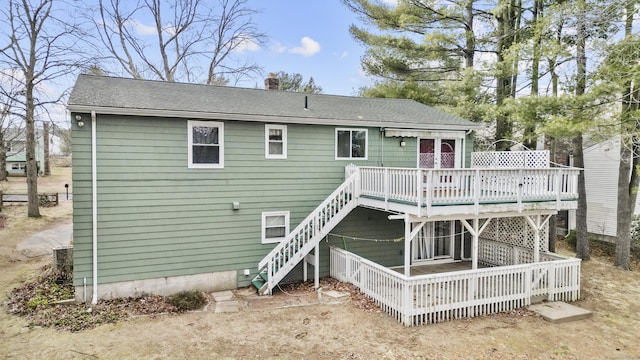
column 536, row 243
column 537, row 227
column 475, row 229
column 407, row 246
column 316, row 267
column 474, row 245
column 304, row 269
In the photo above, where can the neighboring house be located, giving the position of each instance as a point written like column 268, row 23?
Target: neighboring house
column 17, row 154
column 180, row 186
column 601, row 165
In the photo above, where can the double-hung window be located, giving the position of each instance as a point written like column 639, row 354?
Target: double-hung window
column 206, row 144
column 351, row 144
column 275, row 141
column 275, row 226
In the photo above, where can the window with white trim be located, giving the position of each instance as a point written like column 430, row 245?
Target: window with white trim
column 351, row 144
column 206, row 144
column 275, row 226
column 275, row 141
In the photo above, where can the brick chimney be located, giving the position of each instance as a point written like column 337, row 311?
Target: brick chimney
column 272, row 82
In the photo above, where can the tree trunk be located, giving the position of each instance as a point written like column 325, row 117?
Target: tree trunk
column 32, row 166
column 530, row 129
column 627, row 172
column 582, row 242
column 470, row 36
column 504, row 128
column 625, row 210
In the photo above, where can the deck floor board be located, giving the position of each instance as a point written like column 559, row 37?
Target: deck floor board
column 427, row 269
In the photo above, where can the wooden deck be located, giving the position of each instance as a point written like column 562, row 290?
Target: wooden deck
column 427, row 269
column 447, row 292
column 466, row 191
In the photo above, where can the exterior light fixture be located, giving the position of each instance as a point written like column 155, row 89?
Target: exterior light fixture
column 403, row 143
column 79, row 121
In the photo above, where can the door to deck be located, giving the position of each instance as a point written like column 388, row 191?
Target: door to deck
column 435, row 241
column 438, row 154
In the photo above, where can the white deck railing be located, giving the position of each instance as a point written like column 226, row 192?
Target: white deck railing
column 431, row 187
column 496, row 253
column 439, row 297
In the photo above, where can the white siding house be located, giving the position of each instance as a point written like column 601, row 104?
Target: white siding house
column 601, row 180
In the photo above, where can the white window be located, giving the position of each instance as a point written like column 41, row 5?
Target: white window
column 275, row 141
column 206, row 144
column 351, row 144
column 18, row 166
column 7, row 147
column 275, row 226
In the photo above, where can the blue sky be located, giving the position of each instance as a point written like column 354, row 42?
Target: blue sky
column 311, row 38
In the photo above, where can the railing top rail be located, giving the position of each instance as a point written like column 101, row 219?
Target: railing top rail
column 519, row 267
column 481, row 170
column 371, row 263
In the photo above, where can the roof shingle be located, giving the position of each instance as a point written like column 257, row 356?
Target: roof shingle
column 149, row 97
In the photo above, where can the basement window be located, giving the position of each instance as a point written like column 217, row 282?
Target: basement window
column 275, row 226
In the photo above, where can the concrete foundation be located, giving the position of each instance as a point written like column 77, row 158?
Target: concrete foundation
column 225, row 280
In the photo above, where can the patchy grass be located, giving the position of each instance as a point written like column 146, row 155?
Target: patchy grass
column 187, row 300
column 38, row 302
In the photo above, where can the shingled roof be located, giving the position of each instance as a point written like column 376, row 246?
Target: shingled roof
column 112, row 95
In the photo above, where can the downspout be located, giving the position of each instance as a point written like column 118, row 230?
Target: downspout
column 382, row 147
column 94, row 207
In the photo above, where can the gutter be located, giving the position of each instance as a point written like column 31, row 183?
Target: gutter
column 265, row 118
column 94, row 207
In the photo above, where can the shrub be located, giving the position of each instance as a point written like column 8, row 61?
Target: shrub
column 187, row 300
column 571, row 239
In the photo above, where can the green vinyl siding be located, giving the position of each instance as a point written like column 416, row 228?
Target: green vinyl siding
column 469, row 141
column 157, row 217
column 370, row 234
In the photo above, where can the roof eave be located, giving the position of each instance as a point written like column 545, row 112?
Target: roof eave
column 261, row 118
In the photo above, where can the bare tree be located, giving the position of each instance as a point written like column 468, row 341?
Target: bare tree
column 40, row 47
column 189, row 40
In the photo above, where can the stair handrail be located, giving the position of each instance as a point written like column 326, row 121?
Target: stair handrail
column 351, row 181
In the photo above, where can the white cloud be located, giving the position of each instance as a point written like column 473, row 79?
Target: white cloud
column 245, row 43
column 391, row 2
column 278, row 48
column 308, row 47
column 341, row 56
column 142, row 29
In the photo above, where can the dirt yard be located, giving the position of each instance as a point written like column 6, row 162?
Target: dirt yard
column 279, row 330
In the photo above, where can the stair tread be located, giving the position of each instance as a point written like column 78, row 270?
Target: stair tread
column 258, row 284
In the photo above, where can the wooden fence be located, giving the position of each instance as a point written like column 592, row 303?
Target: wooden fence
column 53, row 198
column 439, row 297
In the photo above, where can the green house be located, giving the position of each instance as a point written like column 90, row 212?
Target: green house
column 181, row 186
column 15, row 147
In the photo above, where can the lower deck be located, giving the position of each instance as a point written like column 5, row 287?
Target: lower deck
column 452, row 290
column 437, row 268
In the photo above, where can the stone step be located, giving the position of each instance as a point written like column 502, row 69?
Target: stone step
column 559, row 312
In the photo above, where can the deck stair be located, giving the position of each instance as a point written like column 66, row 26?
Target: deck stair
column 307, row 235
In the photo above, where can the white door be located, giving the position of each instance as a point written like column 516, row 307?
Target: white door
column 439, row 154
